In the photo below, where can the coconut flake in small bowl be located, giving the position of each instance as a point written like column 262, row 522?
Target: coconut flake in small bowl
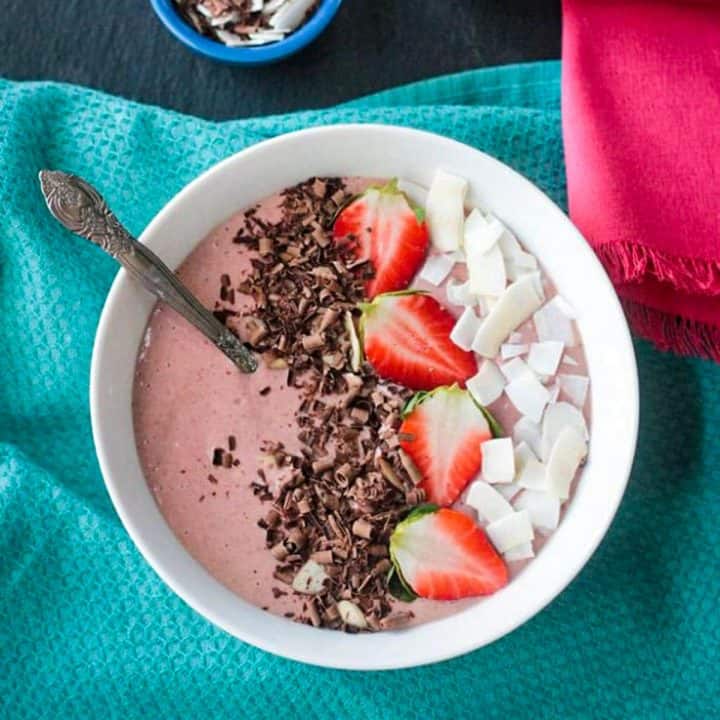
column 246, row 32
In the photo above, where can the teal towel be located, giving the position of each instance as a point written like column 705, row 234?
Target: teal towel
column 87, row 630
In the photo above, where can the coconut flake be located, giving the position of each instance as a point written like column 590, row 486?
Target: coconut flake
column 552, row 323
column 487, row 384
column 256, row 5
column 445, row 212
column 486, row 265
column 525, row 260
column 271, row 6
column 351, row 614
column 515, row 338
column 522, row 264
column 509, row 246
column 524, row 551
column 528, row 395
column 228, row 17
column 498, row 460
column 417, row 193
column 518, row 262
column 566, row 455
column 437, row 268
column 291, row 14
column 529, row 432
column 204, row 11
column 486, row 272
column 459, row 293
column 480, row 235
column 488, row 502
column 544, row 357
column 267, row 36
column 575, row 387
column 510, row 531
column 569, row 360
column 310, row 578
column 232, row 40
column 543, row 508
column 465, row 329
column 356, row 354
column 530, row 471
column 554, row 391
column 509, row 350
column 508, row 491
column 513, row 307
column 558, row 416
column 523, row 453
column 565, row 307
column 484, row 304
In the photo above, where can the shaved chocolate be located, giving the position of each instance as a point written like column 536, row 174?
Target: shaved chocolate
column 279, row 551
column 396, row 620
column 415, row 496
column 410, row 468
column 296, row 539
column 389, row 474
column 362, row 528
column 313, row 342
column 284, row 575
column 324, row 463
column 377, row 550
column 313, row 614
column 265, row 245
column 324, row 557
column 338, row 499
column 360, row 414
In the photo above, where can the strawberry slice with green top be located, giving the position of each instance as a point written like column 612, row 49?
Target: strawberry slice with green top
column 406, row 338
column 386, row 229
column 442, row 432
column 441, row 554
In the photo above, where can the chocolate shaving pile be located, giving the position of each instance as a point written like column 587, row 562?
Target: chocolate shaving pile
column 338, row 501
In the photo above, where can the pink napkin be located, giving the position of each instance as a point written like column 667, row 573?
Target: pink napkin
column 641, row 122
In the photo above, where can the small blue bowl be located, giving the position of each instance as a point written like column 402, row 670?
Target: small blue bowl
column 254, row 55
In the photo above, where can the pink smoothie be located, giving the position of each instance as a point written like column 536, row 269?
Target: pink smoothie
column 188, row 399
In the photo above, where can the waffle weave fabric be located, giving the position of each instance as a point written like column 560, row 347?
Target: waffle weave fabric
column 86, row 627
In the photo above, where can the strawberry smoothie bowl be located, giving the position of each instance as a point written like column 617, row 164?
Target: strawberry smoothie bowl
column 443, row 418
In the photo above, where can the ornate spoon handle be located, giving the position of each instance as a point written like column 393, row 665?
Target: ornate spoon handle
column 82, row 210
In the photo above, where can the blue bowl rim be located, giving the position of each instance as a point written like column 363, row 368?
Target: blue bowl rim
column 256, row 55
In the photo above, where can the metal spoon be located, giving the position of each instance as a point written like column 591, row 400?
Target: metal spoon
column 82, row 210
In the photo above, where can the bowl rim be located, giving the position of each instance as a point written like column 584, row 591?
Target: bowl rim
column 371, row 657
column 254, row 55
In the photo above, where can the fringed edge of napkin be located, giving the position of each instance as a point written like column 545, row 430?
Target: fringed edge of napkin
column 628, row 262
column 672, row 332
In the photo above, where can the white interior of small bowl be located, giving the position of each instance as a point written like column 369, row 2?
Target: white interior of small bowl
column 376, row 151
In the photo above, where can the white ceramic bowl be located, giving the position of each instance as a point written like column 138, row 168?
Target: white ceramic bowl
column 376, row 151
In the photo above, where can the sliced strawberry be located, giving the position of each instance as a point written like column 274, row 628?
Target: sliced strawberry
column 442, row 554
column 387, row 230
column 406, row 338
column 442, row 435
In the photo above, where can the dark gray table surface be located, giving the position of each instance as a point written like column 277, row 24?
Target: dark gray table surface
column 122, row 48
